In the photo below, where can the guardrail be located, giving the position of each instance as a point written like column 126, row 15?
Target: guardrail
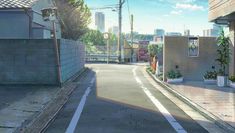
column 101, row 58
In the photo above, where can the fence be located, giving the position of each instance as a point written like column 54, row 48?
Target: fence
column 99, row 54
column 72, row 58
column 24, row 61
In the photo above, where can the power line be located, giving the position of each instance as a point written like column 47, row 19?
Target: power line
column 112, row 6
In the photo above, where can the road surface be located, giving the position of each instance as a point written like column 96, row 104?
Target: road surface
column 120, row 99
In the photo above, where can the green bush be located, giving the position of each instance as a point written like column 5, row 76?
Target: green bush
column 210, row 75
column 174, row 74
column 232, row 78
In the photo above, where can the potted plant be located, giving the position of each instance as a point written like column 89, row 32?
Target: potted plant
column 223, row 59
column 210, row 77
column 232, row 81
column 174, row 77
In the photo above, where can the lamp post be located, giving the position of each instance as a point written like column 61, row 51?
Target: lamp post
column 106, row 37
column 49, row 14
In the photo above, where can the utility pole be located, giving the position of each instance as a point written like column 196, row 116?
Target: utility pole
column 132, row 50
column 121, row 2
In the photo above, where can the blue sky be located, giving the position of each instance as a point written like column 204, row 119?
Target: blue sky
column 171, row 15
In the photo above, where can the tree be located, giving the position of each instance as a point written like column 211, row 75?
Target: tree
column 93, row 37
column 74, row 16
column 223, row 53
column 152, row 50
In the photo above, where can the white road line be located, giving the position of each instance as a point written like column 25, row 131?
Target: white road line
column 77, row 114
column 178, row 128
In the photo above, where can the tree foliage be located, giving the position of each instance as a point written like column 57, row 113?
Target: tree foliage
column 153, row 50
column 74, row 16
column 93, row 37
column 223, row 52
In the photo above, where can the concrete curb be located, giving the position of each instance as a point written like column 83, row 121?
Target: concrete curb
column 195, row 106
column 42, row 120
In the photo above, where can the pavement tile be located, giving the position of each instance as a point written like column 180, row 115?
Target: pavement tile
column 218, row 101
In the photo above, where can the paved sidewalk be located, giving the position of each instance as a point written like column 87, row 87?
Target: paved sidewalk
column 218, row 101
column 19, row 104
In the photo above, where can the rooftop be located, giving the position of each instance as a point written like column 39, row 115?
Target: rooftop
column 16, row 3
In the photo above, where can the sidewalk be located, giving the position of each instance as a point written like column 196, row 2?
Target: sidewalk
column 19, row 104
column 214, row 103
column 218, row 101
column 29, row 108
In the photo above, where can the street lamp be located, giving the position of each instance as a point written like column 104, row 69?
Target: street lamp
column 49, row 14
column 106, row 37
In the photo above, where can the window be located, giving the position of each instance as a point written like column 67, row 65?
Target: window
column 193, row 47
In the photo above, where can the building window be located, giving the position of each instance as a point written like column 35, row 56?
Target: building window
column 193, row 47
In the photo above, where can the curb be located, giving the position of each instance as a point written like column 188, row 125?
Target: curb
column 43, row 119
column 219, row 122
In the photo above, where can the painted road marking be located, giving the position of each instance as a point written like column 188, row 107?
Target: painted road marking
column 77, row 114
column 178, row 128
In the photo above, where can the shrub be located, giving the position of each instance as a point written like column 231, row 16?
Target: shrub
column 232, row 78
column 210, row 75
column 174, row 74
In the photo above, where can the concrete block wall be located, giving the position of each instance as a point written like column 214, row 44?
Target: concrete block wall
column 34, row 61
column 27, row 62
column 72, row 58
column 175, row 52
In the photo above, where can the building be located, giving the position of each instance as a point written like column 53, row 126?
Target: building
column 158, row 39
column 222, row 12
column 173, row 34
column 114, row 30
column 208, row 33
column 100, row 21
column 22, row 19
column 187, row 32
column 159, row 32
column 214, row 32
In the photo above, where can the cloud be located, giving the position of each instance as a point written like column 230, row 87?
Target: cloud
column 176, row 12
column 166, row 15
column 192, row 7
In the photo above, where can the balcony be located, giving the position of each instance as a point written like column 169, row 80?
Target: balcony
column 222, row 11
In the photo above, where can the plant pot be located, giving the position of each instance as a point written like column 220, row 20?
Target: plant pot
column 176, row 80
column 222, row 81
column 209, row 81
column 231, row 84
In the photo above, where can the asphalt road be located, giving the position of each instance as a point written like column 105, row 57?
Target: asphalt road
column 119, row 99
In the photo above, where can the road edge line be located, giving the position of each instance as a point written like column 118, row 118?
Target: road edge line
column 35, row 126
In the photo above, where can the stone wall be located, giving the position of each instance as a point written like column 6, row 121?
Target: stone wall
column 175, row 53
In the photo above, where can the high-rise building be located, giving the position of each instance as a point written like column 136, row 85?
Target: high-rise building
column 159, row 32
column 214, row 32
column 100, row 21
column 114, row 30
column 187, row 32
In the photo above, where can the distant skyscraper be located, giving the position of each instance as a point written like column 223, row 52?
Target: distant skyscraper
column 187, row 32
column 100, row 21
column 214, row 32
column 114, row 30
column 159, row 32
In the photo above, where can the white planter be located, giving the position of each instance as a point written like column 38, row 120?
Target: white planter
column 210, row 81
column 222, row 81
column 177, row 80
column 231, row 84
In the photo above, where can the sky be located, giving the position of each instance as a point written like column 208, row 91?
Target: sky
column 170, row 15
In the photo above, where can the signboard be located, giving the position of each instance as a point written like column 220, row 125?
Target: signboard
column 143, row 51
